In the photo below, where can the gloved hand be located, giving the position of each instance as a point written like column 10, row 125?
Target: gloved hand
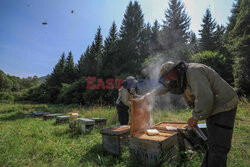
column 192, row 122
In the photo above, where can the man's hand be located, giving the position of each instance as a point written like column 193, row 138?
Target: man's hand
column 192, row 122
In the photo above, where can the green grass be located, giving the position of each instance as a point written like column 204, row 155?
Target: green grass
column 34, row 142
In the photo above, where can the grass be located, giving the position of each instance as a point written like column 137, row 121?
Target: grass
column 33, row 142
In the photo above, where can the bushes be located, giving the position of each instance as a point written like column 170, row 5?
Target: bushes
column 72, row 93
column 216, row 61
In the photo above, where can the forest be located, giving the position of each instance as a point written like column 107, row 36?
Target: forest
column 137, row 45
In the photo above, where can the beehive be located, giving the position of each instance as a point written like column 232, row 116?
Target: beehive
column 73, row 123
column 51, row 116
column 85, row 125
column 39, row 113
column 115, row 138
column 62, row 119
column 100, row 122
column 151, row 150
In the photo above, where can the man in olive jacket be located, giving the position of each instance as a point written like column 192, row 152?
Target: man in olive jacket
column 211, row 98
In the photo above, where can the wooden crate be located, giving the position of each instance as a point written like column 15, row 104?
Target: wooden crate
column 39, row 113
column 115, row 138
column 153, row 150
column 100, row 122
column 62, row 119
column 51, row 116
column 85, row 125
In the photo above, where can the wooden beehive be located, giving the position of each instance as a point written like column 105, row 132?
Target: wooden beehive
column 51, row 116
column 73, row 123
column 39, row 113
column 151, row 150
column 62, row 119
column 100, row 122
column 115, row 138
column 85, row 125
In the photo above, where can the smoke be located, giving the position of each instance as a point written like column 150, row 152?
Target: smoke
column 152, row 71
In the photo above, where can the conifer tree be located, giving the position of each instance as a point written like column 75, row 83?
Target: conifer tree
column 53, row 82
column 145, row 40
column 57, row 76
column 130, row 34
column 207, row 41
column 110, row 60
column 239, row 46
column 155, row 42
column 98, row 49
column 69, row 70
column 193, row 43
column 232, row 18
column 175, row 31
column 219, row 37
column 82, row 64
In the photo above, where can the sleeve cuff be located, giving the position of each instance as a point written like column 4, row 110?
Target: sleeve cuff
column 198, row 117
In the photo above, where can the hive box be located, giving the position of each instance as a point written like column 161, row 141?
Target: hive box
column 85, row 125
column 62, row 119
column 39, row 113
column 100, row 122
column 115, row 138
column 51, row 116
column 151, row 150
column 73, row 122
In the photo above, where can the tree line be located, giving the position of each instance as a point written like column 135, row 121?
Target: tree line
column 125, row 51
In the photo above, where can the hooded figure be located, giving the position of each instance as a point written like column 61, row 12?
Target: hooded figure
column 126, row 93
column 211, row 98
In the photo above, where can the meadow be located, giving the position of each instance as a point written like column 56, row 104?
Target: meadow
column 28, row 141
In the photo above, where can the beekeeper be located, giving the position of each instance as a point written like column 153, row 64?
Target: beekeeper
column 126, row 93
column 211, row 98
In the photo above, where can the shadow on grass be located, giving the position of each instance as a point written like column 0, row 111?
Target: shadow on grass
column 71, row 134
column 98, row 156
column 13, row 117
column 7, row 111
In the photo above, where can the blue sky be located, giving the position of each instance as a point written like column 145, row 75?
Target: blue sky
column 28, row 48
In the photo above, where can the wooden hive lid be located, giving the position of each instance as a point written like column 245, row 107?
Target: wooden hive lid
column 116, row 130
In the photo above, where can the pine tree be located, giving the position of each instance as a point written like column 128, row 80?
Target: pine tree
column 207, row 41
column 219, row 37
column 193, row 43
column 91, row 62
column 69, row 70
column 98, row 49
column 82, row 64
column 93, row 57
column 57, row 76
column 155, row 41
column 53, row 82
column 239, row 46
column 175, row 30
column 232, row 18
column 219, row 40
column 110, row 61
column 130, row 34
column 145, row 40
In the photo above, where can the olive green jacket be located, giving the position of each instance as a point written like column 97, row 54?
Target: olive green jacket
column 207, row 92
column 125, row 96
